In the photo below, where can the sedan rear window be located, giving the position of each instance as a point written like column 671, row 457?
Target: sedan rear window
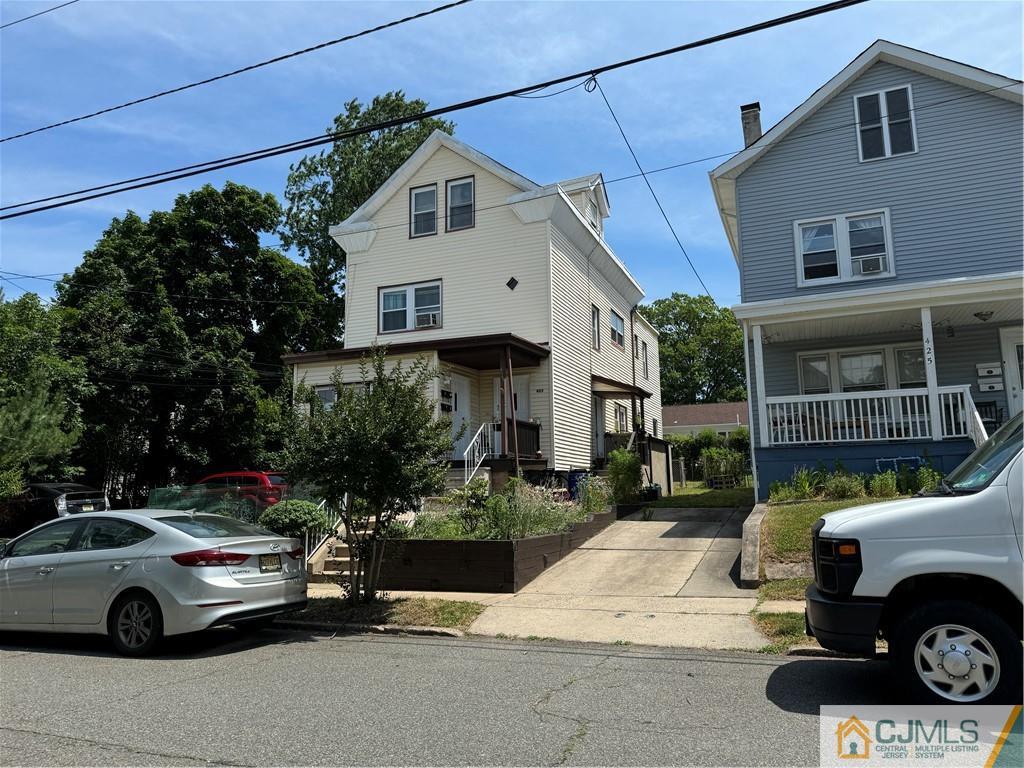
column 213, row 526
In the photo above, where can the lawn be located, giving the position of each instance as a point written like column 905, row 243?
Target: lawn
column 784, row 589
column 696, row 495
column 786, row 529
column 783, row 629
column 403, row 611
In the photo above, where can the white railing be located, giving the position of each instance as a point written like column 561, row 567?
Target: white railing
column 861, row 417
column 316, row 538
column 480, row 447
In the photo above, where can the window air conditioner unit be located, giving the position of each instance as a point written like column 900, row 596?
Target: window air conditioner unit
column 872, row 265
column 428, row 319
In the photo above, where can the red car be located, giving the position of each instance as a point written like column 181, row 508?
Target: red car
column 254, row 491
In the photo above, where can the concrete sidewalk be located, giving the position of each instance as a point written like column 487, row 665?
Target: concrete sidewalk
column 672, row 580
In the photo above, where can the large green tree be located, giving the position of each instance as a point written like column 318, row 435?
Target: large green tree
column 326, row 187
column 40, row 392
column 701, row 350
column 182, row 319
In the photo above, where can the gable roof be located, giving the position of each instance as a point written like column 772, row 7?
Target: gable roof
column 593, row 182
column 408, row 169
column 723, row 178
column 701, row 414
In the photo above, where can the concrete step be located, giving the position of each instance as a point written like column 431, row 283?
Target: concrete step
column 327, row 577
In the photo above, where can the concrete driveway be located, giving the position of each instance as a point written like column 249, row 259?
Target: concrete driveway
column 672, row 580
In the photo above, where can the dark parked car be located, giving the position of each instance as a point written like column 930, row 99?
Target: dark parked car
column 46, row 501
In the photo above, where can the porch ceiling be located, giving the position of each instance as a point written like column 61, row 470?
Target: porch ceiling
column 892, row 322
column 604, row 387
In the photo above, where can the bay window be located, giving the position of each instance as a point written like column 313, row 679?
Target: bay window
column 854, row 246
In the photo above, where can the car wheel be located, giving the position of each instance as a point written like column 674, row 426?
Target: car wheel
column 136, row 625
column 950, row 651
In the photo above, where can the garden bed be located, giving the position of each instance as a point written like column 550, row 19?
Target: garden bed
column 470, row 565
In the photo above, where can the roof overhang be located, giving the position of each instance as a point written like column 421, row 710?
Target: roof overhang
column 605, row 387
column 595, row 183
column 723, row 178
column 478, row 352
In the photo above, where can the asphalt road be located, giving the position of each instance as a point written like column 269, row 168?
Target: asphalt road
column 280, row 698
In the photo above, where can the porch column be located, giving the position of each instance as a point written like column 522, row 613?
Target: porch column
column 501, row 404
column 931, row 379
column 762, row 408
column 512, row 404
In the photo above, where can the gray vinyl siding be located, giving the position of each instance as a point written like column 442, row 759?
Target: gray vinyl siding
column 955, row 205
column 956, row 358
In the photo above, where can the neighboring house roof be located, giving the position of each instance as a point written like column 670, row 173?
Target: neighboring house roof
column 704, row 414
column 723, row 178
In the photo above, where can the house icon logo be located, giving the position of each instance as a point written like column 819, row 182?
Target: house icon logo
column 853, row 740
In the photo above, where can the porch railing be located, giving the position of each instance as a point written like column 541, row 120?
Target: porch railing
column 317, row 537
column 480, row 447
column 861, row 417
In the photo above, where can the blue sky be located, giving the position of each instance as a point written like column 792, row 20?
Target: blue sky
column 96, row 53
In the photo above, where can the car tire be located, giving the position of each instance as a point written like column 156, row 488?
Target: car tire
column 955, row 652
column 136, row 625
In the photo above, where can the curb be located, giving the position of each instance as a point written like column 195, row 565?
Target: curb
column 750, row 556
column 376, row 629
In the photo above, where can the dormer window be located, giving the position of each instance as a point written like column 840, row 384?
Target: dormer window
column 423, row 211
column 460, row 204
column 885, row 123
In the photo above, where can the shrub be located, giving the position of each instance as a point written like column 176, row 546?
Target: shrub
column 690, row 447
column 723, row 462
column 446, row 524
column 624, row 474
column 928, row 479
column 906, row 480
column 525, row 510
column 843, row 485
column 469, row 502
column 594, row 495
column 806, row 483
column 739, row 440
column 293, row 518
column 884, row 485
column 780, row 491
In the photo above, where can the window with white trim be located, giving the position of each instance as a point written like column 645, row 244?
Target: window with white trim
column 814, row 375
column 618, row 329
column 910, row 369
column 621, row 418
column 885, row 123
column 410, row 307
column 460, row 197
column 854, row 246
column 862, row 371
column 595, row 328
column 423, row 211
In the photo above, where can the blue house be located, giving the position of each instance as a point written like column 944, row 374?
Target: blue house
column 878, row 235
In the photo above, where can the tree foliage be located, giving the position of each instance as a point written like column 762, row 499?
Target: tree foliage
column 325, row 188
column 374, row 455
column 701, row 350
column 182, row 319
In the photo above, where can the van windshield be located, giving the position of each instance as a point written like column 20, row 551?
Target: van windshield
column 978, row 469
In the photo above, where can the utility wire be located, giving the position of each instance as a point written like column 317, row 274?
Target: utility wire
column 329, row 138
column 48, row 10
column 647, row 181
column 234, row 72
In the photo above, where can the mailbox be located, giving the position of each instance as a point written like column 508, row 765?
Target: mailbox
column 990, row 369
column 990, row 385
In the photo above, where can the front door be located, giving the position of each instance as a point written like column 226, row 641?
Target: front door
column 1011, row 341
column 461, row 415
column 597, row 427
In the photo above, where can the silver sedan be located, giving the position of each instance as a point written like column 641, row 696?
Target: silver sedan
column 140, row 575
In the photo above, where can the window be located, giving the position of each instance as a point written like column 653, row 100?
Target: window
column 910, row 368
column 328, row 395
column 885, row 123
column 814, row 375
column 213, row 526
column 112, row 534
column 855, row 246
column 862, row 371
column 654, row 427
column 618, row 329
column 423, row 211
column 647, row 371
column 410, row 307
column 51, row 540
column 595, row 328
column 460, row 204
column 636, row 347
column 621, row 418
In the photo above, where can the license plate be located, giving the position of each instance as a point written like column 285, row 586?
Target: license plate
column 270, row 563
column 87, row 507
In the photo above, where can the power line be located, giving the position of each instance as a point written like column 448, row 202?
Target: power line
column 647, row 181
column 238, row 71
column 248, row 157
column 48, row 10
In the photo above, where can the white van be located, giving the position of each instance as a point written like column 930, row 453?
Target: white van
column 939, row 576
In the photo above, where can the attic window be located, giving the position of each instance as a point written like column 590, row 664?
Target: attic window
column 885, row 123
column 460, row 204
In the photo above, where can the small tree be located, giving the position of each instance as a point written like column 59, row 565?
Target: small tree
column 374, row 454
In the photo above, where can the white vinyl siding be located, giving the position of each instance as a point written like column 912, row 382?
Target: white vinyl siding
column 885, row 123
column 423, row 211
column 849, row 247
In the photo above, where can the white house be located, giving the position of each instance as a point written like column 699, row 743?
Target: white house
column 511, row 290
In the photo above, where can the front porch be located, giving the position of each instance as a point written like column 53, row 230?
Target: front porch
column 901, row 376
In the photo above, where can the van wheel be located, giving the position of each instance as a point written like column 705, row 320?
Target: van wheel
column 954, row 651
column 136, row 625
